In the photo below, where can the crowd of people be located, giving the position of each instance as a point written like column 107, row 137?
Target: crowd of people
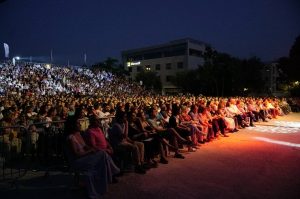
column 110, row 122
column 47, row 79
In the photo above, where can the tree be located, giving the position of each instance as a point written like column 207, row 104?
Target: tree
column 250, row 75
column 150, row 80
column 109, row 64
column 293, row 70
column 189, row 81
column 222, row 74
column 289, row 68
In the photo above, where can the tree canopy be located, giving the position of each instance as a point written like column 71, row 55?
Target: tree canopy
column 222, row 75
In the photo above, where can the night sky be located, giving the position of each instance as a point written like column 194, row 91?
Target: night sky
column 263, row 28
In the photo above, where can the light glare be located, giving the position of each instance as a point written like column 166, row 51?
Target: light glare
column 277, row 142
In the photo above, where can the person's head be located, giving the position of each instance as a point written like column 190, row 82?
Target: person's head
column 141, row 114
column 208, row 103
column 131, row 116
column 52, row 112
column 120, row 117
column 32, row 128
column 232, row 101
column 202, row 109
column 184, row 109
column 194, row 108
column 175, row 110
column 153, row 112
column 80, row 112
column 163, row 107
column 72, row 126
column 94, row 121
column 97, row 106
column 7, row 114
column 43, row 111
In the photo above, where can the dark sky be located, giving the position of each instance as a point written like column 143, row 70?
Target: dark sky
column 103, row 28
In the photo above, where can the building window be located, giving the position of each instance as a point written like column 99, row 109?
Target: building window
column 148, row 68
column 180, row 65
column 168, row 66
column 157, row 67
column 139, row 68
column 169, row 78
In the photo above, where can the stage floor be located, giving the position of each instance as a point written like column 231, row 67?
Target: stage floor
column 258, row 162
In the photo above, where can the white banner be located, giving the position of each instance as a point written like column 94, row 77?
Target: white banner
column 6, row 50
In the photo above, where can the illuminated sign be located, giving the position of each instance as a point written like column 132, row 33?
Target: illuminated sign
column 133, row 63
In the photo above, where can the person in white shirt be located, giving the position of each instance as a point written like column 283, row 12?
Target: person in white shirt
column 234, row 112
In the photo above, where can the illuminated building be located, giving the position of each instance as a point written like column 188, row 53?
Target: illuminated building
column 166, row 60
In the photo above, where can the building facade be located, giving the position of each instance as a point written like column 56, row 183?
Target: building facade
column 166, row 60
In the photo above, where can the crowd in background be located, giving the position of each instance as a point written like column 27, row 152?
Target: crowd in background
column 110, row 121
column 46, row 79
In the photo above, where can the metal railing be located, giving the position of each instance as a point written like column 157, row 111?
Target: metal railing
column 40, row 146
column 12, row 152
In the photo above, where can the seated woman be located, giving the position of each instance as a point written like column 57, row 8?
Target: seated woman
column 144, row 126
column 271, row 109
column 121, row 143
column 95, row 138
column 187, row 131
column 229, row 122
column 200, row 135
column 233, row 112
column 263, row 110
column 149, row 138
column 206, row 125
column 218, row 120
column 166, row 132
column 246, row 114
column 255, row 110
column 94, row 165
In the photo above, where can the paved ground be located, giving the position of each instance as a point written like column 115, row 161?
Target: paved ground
column 259, row 162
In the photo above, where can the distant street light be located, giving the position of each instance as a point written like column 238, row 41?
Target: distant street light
column 14, row 59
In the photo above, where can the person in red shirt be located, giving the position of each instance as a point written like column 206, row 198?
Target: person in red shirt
column 95, row 139
column 95, row 136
